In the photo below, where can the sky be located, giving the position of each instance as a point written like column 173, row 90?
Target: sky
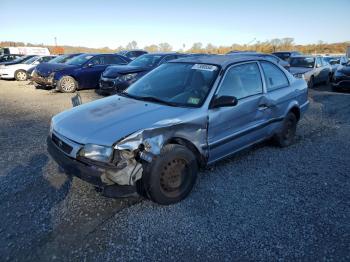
column 180, row 23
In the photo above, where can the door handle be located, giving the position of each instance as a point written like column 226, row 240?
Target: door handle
column 263, row 107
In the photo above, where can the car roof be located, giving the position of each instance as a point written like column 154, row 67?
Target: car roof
column 221, row 60
column 163, row 53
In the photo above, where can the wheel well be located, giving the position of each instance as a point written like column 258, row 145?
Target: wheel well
column 296, row 111
column 181, row 141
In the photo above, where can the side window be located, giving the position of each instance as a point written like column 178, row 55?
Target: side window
column 241, row 81
column 168, row 58
column 46, row 58
column 318, row 61
column 98, row 60
column 274, row 77
column 114, row 60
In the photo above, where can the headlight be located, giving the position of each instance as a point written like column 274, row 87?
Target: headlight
column 96, row 152
column 127, row 77
column 302, row 76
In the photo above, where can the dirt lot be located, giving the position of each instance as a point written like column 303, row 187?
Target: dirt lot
column 263, row 204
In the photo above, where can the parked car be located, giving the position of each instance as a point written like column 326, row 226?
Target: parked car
column 26, row 50
column 186, row 113
column 8, row 58
column 61, row 59
column 286, row 55
column 335, row 62
column 311, row 68
column 341, row 78
column 19, row 71
column 118, row 78
column 132, row 54
column 81, row 72
column 270, row 57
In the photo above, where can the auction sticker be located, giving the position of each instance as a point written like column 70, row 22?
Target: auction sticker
column 204, row 67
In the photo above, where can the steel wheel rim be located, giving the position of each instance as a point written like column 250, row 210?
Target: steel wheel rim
column 173, row 180
column 21, row 75
column 67, row 85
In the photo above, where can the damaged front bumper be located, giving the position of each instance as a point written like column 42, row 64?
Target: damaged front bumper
column 90, row 173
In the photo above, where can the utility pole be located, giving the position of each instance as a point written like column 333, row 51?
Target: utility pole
column 55, row 41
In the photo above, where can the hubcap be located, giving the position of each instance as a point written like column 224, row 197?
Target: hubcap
column 21, row 76
column 67, row 85
column 173, row 175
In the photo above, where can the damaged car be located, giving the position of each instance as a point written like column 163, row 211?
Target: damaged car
column 184, row 115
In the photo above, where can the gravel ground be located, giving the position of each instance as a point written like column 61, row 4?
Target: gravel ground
column 265, row 203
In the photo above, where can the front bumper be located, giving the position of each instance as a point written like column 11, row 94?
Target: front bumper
column 44, row 81
column 342, row 82
column 89, row 173
column 111, row 86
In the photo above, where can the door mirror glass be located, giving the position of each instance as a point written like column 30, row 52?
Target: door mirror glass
column 224, row 101
column 90, row 65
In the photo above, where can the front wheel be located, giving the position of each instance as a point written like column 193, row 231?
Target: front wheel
column 172, row 175
column 21, row 75
column 287, row 134
column 310, row 84
column 67, row 84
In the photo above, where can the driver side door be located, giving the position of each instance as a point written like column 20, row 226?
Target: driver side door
column 90, row 73
column 233, row 128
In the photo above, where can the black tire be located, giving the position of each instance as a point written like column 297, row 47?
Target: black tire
column 172, row 175
column 67, row 84
column 287, row 134
column 21, row 75
column 311, row 82
column 328, row 81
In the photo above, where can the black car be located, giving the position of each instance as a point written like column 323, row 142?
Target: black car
column 18, row 60
column 341, row 78
column 8, row 58
column 132, row 54
column 80, row 72
column 286, row 55
column 117, row 78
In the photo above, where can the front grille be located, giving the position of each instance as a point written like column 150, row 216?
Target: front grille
column 106, row 83
column 61, row 144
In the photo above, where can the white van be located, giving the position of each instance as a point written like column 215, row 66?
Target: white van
column 25, row 50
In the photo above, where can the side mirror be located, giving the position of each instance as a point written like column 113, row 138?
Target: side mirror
column 318, row 65
column 90, row 65
column 224, row 101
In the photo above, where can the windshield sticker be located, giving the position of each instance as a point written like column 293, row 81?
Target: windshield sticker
column 193, row 100
column 204, row 67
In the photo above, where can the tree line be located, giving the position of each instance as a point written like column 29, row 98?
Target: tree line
column 278, row 44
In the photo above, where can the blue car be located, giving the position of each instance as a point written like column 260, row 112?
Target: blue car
column 81, row 72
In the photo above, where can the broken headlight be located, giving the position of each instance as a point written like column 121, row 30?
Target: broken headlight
column 96, row 152
column 299, row 75
column 127, row 77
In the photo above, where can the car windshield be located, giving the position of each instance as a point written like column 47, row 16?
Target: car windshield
column 146, row 60
column 31, row 60
column 175, row 84
column 21, row 59
column 307, row 62
column 79, row 60
column 59, row 59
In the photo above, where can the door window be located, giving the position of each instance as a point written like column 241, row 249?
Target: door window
column 242, row 81
column 274, row 77
column 110, row 60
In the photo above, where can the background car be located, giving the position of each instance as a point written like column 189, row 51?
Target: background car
column 132, row 54
column 81, row 72
column 18, row 71
column 335, row 61
column 8, row 58
column 312, row 68
column 269, row 57
column 286, row 55
column 118, row 78
column 61, row 59
column 18, row 60
column 341, row 78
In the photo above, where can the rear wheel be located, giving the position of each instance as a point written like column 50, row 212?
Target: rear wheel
column 287, row 134
column 172, row 175
column 67, row 84
column 21, row 75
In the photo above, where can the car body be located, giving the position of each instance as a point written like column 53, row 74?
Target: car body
column 286, row 55
column 118, row 78
column 61, row 59
column 18, row 60
column 80, row 72
column 312, row 68
column 26, row 50
column 341, row 78
column 132, row 54
column 19, row 71
column 269, row 57
column 186, row 113
column 9, row 58
column 336, row 61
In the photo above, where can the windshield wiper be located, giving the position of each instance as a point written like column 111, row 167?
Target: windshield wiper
column 156, row 100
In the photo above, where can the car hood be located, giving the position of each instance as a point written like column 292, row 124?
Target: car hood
column 114, row 71
column 45, row 69
column 108, row 120
column 299, row 70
